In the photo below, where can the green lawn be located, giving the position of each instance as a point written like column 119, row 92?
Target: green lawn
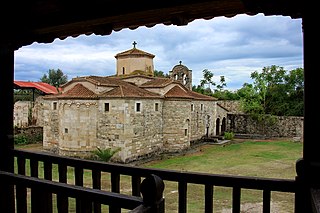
column 273, row 159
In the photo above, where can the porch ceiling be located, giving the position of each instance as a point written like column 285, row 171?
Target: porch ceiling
column 25, row 22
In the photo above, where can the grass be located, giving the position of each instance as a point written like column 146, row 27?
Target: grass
column 272, row 159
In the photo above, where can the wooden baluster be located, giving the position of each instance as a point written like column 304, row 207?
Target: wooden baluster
column 62, row 200
column 21, row 190
column 266, row 201
column 182, row 190
column 135, row 182
column 48, row 176
column 115, row 187
column 208, row 196
column 236, row 195
column 96, row 184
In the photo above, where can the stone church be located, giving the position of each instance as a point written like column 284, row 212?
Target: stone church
column 133, row 110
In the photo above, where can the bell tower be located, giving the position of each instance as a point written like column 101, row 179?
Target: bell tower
column 182, row 74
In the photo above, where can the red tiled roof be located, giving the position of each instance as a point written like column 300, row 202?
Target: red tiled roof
column 78, row 91
column 157, row 82
column 200, row 96
column 178, row 92
column 124, row 89
column 130, row 91
column 134, row 51
column 44, row 87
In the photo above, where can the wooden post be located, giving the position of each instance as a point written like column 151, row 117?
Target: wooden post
column 6, row 131
column 152, row 192
column 308, row 167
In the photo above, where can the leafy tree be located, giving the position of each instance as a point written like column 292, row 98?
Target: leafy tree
column 226, row 95
column 274, row 91
column 160, row 74
column 207, row 78
column 222, row 83
column 54, row 78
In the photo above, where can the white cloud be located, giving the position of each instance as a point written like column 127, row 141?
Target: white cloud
column 233, row 47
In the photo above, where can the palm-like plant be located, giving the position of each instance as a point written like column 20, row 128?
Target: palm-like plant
column 104, row 154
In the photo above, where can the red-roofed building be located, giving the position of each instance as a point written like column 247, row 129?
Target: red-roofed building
column 133, row 110
column 44, row 88
column 25, row 106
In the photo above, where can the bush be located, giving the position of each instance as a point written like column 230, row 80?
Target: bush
column 24, row 139
column 20, row 140
column 104, row 154
column 228, row 135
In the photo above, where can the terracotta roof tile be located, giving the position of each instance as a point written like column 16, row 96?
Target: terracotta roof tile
column 106, row 81
column 178, row 92
column 78, row 91
column 44, row 87
column 134, row 51
column 157, row 82
column 129, row 90
column 200, row 96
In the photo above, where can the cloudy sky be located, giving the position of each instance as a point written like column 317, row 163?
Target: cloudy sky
column 233, row 47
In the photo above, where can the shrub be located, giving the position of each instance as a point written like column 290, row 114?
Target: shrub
column 20, row 140
column 104, row 154
column 228, row 135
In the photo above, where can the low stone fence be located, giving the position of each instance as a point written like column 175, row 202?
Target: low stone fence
column 33, row 134
column 280, row 126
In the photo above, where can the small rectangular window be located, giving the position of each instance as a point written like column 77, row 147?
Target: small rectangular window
column 54, row 105
column 201, row 107
column 138, row 107
column 106, row 107
column 192, row 107
column 185, row 132
column 156, row 107
column 66, row 130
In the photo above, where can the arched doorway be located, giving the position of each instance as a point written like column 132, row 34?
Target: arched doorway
column 223, row 126
column 218, row 126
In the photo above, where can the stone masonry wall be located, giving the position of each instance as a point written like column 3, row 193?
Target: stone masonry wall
column 203, row 119
column 50, row 126
column 230, row 105
column 78, row 126
column 282, row 126
column 21, row 113
column 138, row 134
column 176, row 124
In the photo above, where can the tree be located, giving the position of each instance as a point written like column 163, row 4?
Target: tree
column 207, row 78
column 54, row 78
column 222, row 83
column 157, row 73
column 274, row 91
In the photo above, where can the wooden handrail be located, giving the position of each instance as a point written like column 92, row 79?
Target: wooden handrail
column 273, row 184
column 74, row 191
column 209, row 181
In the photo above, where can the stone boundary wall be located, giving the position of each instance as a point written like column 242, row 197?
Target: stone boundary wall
column 283, row 126
column 231, row 106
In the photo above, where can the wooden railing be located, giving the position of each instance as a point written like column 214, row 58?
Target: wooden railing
column 136, row 174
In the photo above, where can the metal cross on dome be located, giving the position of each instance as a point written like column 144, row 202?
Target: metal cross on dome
column 134, row 44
